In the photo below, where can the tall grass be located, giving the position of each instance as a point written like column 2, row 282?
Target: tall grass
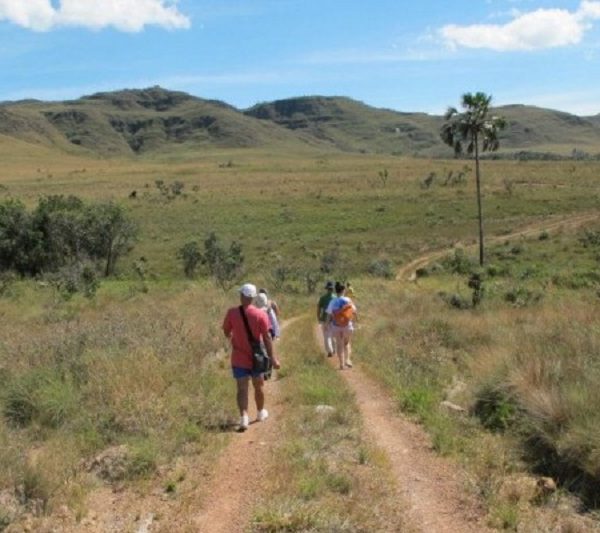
column 139, row 370
column 328, row 476
column 527, row 378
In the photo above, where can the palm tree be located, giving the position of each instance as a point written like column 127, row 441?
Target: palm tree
column 473, row 131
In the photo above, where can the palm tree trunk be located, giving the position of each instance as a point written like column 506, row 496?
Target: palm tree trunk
column 479, row 208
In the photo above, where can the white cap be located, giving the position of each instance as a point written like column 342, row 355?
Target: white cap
column 248, row 290
column 261, row 300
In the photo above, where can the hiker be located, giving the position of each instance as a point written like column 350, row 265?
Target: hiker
column 341, row 311
column 241, row 354
column 261, row 301
column 271, row 303
column 323, row 319
column 349, row 291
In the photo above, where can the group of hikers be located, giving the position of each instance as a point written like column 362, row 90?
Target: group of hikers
column 254, row 325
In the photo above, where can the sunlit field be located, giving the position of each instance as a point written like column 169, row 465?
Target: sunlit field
column 141, row 363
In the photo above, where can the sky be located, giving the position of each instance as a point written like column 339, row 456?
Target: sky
column 411, row 56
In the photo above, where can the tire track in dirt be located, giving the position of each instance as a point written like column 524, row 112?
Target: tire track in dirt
column 433, row 489
column 408, row 271
column 237, row 480
column 217, row 498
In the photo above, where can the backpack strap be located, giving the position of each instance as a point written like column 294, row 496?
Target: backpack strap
column 248, row 331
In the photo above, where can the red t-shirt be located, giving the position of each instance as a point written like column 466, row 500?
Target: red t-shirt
column 233, row 326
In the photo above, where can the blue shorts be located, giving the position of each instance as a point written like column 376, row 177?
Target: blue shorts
column 239, row 372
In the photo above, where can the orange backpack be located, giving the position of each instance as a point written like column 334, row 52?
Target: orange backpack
column 343, row 315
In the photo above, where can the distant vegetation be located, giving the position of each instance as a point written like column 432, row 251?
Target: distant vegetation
column 64, row 234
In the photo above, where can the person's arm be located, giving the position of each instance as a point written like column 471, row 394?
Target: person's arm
column 318, row 311
column 227, row 326
column 269, row 347
column 275, row 308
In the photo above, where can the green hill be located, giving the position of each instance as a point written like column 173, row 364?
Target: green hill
column 140, row 122
column 352, row 126
column 155, row 120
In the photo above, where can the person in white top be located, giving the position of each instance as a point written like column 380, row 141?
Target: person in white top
column 342, row 312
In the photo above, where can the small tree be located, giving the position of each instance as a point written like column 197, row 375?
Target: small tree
column 225, row 265
column 480, row 133
column 191, row 256
column 109, row 233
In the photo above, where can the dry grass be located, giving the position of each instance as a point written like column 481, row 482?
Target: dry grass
column 530, row 375
column 137, row 369
column 328, row 477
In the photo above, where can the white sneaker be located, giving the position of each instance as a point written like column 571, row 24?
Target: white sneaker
column 263, row 414
column 244, row 423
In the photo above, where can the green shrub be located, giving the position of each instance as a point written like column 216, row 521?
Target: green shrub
column 495, row 408
column 458, row 263
column 382, row 268
column 40, row 396
column 522, row 297
column 418, row 400
column 191, row 256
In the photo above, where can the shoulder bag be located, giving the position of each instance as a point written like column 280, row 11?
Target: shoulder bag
column 261, row 362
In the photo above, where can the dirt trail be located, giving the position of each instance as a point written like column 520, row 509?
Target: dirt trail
column 433, row 489
column 214, row 498
column 407, row 272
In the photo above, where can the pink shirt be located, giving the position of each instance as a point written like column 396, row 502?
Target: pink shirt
column 233, row 326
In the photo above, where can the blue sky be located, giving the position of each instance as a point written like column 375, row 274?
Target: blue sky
column 402, row 55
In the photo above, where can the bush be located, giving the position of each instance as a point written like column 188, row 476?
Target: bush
column 522, row 297
column 60, row 231
column 191, row 256
column 40, row 396
column 496, row 410
column 458, row 263
column 224, row 264
column 382, row 268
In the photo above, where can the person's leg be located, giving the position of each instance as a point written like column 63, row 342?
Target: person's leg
column 327, row 338
column 259, row 394
column 259, row 397
column 242, row 394
column 339, row 345
column 348, row 347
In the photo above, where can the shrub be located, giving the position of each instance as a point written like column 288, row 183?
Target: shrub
column 495, row 409
column 40, row 396
column 224, row 264
column 191, row 256
column 329, row 261
column 522, row 297
column 382, row 268
column 60, row 231
column 458, row 263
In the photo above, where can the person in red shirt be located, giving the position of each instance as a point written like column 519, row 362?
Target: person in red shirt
column 241, row 353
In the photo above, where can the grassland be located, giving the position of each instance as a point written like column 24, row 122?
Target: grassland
column 135, row 366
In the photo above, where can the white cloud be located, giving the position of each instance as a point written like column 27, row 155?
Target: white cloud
column 125, row 15
column 539, row 29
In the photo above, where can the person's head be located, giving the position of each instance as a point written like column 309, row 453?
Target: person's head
column 263, row 291
column 339, row 288
column 261, row 301
column 329, row 286
column 247, row 293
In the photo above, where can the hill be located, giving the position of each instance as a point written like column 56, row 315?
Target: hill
column 139, row 122
column 156, row 120
column 352, row 126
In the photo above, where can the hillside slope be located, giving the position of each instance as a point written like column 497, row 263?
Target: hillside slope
column 139, row 122
column 155, row 120
column 352, row 126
